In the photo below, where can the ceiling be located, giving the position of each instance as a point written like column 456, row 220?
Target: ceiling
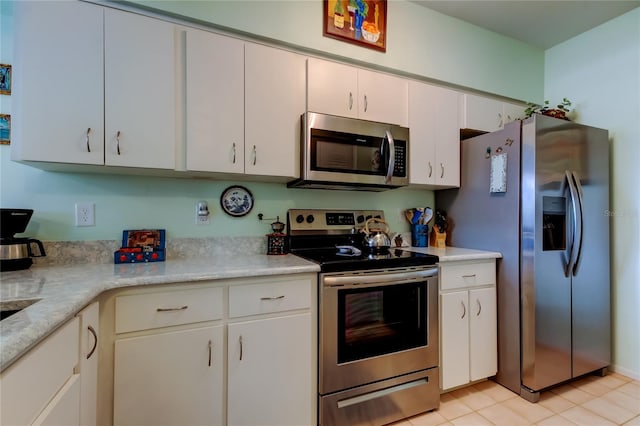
column 537, row 22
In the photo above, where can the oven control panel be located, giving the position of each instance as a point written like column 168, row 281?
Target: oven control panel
column 323, row 220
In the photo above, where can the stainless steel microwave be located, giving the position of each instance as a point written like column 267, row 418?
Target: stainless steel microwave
column 347, row 153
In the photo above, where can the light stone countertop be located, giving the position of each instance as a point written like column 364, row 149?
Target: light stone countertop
column 456, row 254
column 63, row 290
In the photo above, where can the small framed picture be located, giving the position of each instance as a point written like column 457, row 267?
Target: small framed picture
column 5, row 79
column 5, row 129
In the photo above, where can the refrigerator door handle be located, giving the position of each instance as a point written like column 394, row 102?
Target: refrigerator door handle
column 578, row 186
column 575, row 234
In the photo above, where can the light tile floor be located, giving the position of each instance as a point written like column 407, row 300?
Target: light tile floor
column 599, row 401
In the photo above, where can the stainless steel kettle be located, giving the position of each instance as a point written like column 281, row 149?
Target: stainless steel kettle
column 376, row 239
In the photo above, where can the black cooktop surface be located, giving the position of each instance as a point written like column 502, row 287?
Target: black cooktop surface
column 330, row 260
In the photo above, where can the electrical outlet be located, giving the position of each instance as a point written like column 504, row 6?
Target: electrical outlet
column 85, row 214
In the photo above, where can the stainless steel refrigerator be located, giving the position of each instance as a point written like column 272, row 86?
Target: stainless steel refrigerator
column 538, row 192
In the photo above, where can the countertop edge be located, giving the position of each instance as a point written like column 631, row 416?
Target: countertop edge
column 26, row 329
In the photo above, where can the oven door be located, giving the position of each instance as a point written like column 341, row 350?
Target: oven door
column 376, row 325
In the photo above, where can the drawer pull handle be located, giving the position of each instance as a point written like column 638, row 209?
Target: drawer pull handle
column 469, row 276
column 272, row 298
column 210, row 353
column 95, row 341
column 479, row 307
column 181, row 308
column 464, row 310
column 118, row 142
column 240, row 348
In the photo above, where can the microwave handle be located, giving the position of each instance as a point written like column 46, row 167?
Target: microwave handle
column 392, row 158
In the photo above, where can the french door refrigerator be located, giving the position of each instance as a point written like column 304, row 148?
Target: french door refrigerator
column 538, row 192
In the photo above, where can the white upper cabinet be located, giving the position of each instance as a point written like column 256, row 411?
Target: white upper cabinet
column 215, row 102
column 347, row 91
column 58, row 104
column 435, row 136
column 110, row 99
column 332, row 88
column 274, row 103
column 140, row 86
column 487, row 114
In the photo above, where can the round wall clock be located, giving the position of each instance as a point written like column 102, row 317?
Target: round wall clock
column 236, row 201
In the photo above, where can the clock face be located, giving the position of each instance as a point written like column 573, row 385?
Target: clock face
column 236, row 201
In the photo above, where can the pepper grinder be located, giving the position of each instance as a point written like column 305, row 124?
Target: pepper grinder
column 276, row 241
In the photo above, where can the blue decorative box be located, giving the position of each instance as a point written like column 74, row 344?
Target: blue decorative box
column 141, row 245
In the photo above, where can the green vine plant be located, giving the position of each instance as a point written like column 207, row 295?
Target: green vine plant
column 560, row 111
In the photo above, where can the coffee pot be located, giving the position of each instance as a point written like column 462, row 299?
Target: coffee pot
column 15, row 252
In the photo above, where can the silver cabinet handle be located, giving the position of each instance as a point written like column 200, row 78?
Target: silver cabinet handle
column 464, row 310
column 392, row 157
column 430, row 169
column 350, row 101
column 272, row 298
column 240, row 348
column 479, row 307
column 469, row 276
column 118, row 142
column 95, row 341
column 500, row 123
column 255, row 155
column 234, row 153
column 181, row 308
column 210, row 345
column 366, row 104
column 442, row 170
column 87, row 139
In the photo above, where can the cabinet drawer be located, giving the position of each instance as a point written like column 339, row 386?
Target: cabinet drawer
column 163, row 309
column 29, row 384
column 467, row 274
column 276, row 296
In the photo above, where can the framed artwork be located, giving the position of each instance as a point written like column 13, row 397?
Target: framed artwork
column 5, row 79
column 362, row 22
column 5, row 129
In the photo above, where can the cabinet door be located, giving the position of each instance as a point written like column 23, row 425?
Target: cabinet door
column 454, row 339
column 58, row 99
column 422, row 122
column 480, row 113
column 383, row 98
column 139, row 91
column 274, row 102
column 88, row 365
column 270, row 370
column 332, row 88
column 483, row 333
column 447, row 137
column 64, row 408
column 173, row 378
column 215, row 102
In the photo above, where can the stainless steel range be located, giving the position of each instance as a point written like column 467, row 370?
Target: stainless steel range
column 378, row 321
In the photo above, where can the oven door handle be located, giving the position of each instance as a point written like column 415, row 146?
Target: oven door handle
column 393, row 278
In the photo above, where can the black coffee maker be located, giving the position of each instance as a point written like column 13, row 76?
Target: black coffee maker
column 16, row 253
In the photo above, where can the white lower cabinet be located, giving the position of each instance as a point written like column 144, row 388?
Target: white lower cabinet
column 42, row 387
column 269, row 371
column 468, row 322
column 236, row 352
column 170, row 378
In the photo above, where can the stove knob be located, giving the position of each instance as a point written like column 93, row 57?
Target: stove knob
column 360, row 218
column 310, row 218
column 299, row 218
